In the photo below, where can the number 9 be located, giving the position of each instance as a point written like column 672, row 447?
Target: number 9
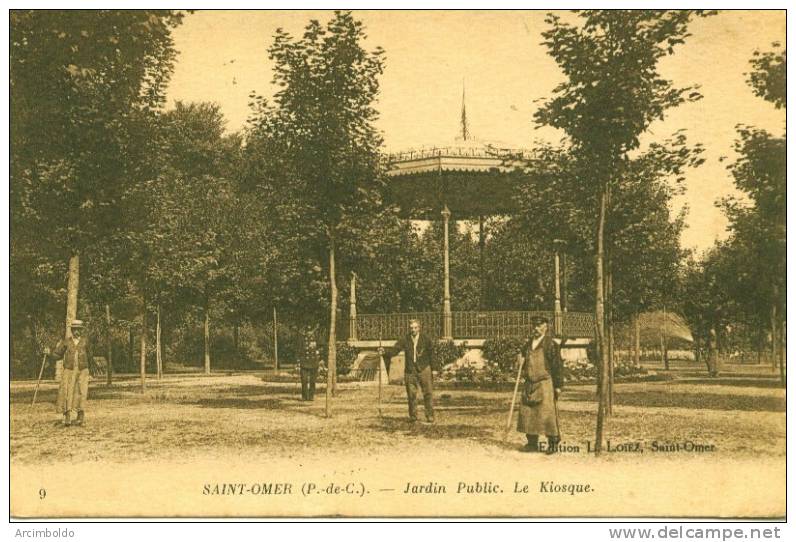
column 42, row 493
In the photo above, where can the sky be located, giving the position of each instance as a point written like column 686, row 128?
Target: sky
column 498, row 57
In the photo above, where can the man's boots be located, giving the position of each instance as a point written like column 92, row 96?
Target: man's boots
column 80, row 418
column 67, row 419
column 552, row 445
column 533, row 444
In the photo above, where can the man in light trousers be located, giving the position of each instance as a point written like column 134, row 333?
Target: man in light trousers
column 73, row 392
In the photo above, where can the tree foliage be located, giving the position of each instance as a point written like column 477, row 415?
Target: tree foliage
column 769, row 75
column 82, row 85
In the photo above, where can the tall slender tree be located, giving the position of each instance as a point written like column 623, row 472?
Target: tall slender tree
column 612, row 93
column 325, row 145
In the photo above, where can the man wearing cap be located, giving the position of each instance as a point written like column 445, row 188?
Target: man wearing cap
column 541, row 359
column 418, row 349
column 73, row 392
column 308, row 364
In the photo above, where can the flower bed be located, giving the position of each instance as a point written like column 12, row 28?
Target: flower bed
column 499, row 367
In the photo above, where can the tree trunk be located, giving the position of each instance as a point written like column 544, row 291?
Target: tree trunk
column 235, row 337
column 609, row 330
column 564, row 283
column 481, row 264
column 158, row 356
column 72, row 287
column 611, row 361
column 13, row 354
column 713, row 346
column 276, row 343
column 130, row 346
column 783, row 354
column 143, row 344
column 599, row 317
column 774, row 336
column 637, row 345
column 109, row 341
column 697, row 348
column 664, row 341
column 708, row 346
column 207, row 334
column 34, row 343
column 331, row 363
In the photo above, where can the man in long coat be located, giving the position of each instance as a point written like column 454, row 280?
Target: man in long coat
column 308, row 363
column 542, row 370
column 714, row 365
column 418, row 350
column 73, row 391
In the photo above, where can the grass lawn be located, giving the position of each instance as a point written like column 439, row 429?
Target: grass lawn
column 740, row 413
column 244, row 418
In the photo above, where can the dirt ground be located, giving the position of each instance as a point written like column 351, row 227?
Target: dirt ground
column 238, row 418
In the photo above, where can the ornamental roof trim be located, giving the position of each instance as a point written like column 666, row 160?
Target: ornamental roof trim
column 455, row 158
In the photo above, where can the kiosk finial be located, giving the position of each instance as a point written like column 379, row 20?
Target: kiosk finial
column 465, row 130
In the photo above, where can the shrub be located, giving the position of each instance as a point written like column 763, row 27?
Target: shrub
column 445, row 353
column 500, row 356
column 503, row 352
column 346, row 355
column 493, row 373
column 186, row 347
column 465, row 373
column 578, row 370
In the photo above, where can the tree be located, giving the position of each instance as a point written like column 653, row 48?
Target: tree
column 82, row 82
column 202, row 227
column 758, row 220
column 321, row 129
column 611, row 95
column 769, row 76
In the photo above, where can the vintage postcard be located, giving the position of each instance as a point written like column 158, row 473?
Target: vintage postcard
column 401, row 264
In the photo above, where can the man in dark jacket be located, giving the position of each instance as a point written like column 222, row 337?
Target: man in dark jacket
column 73, row 391
column 542, row 369
column 309, row 361
column 418, row 350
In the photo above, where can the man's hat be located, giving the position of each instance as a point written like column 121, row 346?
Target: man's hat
column 536, row 320
column 76, row 323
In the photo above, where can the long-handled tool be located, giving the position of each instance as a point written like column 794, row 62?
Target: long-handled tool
column 555, row 405
column 41, row 372
column 513, row 399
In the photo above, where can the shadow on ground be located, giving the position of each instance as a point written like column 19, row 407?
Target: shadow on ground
column 669, row 398
column 769, row 383
column 239, row 403
column 439, row 430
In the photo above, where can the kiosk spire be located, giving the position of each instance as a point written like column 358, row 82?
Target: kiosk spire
column 465, row 130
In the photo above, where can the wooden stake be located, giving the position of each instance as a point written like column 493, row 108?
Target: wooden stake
column 513, row 400
column 41, row 372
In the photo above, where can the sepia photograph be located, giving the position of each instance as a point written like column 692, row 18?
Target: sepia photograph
column 400, row 264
